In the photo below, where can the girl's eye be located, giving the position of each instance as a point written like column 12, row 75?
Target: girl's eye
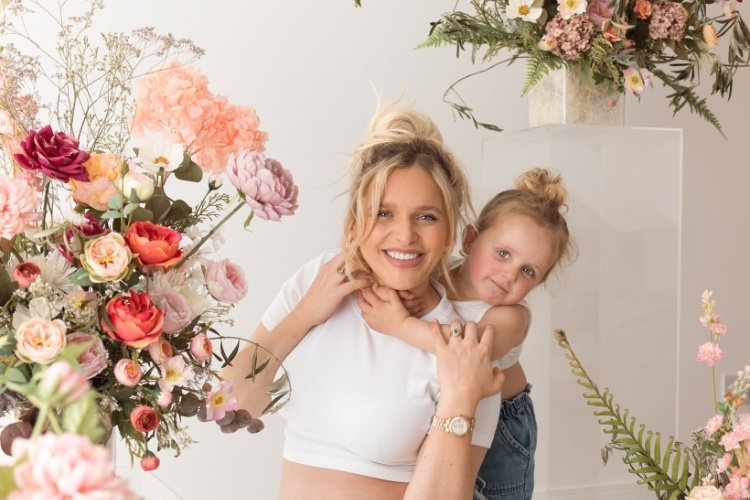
column 530, row 272
column 503, row 254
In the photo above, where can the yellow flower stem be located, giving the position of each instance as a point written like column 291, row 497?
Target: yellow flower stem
column 210, row 233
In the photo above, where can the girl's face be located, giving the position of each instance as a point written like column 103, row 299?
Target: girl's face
column 407, row 239
column 507, row 260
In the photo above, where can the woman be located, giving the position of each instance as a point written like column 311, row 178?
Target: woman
column 363, row 402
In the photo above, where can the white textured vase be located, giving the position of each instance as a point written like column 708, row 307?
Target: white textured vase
column 561, row 98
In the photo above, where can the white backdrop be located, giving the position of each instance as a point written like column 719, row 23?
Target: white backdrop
column 309, row 68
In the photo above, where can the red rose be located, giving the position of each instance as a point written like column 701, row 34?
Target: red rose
column 133, row 320
column 149, row 462
column 144, row 419
column 56, row 155
column 25, row 274
column 155, row 245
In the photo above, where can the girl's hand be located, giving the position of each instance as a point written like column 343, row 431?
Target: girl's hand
column 415, row 306
column 464, row 364
column 327, row 291
column 382, row 308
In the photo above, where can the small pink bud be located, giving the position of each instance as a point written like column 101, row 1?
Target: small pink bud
column 149, row 462
column 200, row 347
column 127, row 372
column 164, row 399
column 63, row 384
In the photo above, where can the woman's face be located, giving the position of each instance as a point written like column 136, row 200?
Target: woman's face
column 409, row 235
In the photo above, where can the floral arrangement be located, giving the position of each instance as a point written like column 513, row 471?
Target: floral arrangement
column 716, row 466
column 619, row 43
column 97, row 256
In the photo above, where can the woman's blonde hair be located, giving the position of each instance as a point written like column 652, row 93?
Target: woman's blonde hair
column 401, row 137
column 542, row 197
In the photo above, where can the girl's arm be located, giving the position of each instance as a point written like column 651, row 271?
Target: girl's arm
column 447, row 464
column 317, row 305
column 510, row 324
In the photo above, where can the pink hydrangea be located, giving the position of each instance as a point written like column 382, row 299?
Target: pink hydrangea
column 714, row 424
column 19, row 201
column 268, row 187
column 668, row 20
column 65, row 466
column 177, row 102
column 572, row 36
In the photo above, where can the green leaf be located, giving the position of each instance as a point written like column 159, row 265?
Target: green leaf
column 7, row 286
column 111, row 214
column 115, row 202
column 189, row 172
column 15, row 375
column 81, row 277
column 142, row 214
column 82, row 417
column 277, row 384
column 159, row 205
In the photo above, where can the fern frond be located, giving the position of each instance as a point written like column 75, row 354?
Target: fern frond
column 670, row 470
column 685, row 95
column 436, row 38
column 536, row 69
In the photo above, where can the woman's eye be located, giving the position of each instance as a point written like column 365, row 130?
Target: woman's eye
column 427, row 217
column 384, row 213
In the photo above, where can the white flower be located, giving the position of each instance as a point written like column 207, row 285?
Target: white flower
column 159, row 153
column 635, row 81
column 175, row 371
column 55, row 271
column 141, row 185
column 528, row 10
column 567, row 8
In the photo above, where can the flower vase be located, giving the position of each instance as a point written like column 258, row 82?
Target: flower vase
column 561, row 98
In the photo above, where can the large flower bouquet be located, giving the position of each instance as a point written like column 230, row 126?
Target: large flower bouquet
column 99, row 254
column 619, row 43
column 716, row 465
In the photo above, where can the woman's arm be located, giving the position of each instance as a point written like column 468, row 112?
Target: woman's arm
column 317, row 305
column 448, row 464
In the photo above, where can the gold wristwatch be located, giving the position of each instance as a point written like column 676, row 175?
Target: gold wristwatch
column 458, row 426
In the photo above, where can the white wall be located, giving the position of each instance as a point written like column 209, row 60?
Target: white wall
column 309, row 69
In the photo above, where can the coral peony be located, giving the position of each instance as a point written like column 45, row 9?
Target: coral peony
column 65, row 466
column 132, row 319
column 19, row 201
column 56, row 155
column 25, row 274
column 40, row 340
column 226, row 281
column 94, row 359
column 144, row 418
column 266, row 186
column 154, row 245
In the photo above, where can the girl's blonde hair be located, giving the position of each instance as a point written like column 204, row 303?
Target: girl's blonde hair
column 401, row 137
column 542, row 197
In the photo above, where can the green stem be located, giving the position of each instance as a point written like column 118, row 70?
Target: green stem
column 210, row 233
column 40, row 419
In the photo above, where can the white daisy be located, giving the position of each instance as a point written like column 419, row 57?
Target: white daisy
column 527, row 10
column 159, row 153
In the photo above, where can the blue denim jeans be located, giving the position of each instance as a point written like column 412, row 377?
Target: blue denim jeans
column 507, row 472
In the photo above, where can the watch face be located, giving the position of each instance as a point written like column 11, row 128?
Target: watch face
column 459, row 426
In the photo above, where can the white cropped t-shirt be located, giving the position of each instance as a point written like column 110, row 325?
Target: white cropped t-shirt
column 362, row 401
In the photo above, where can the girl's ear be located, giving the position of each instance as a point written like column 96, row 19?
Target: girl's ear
column 470, row 234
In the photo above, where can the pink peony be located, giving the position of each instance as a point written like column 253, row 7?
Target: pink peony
column 709, row 353
column 738, row 487
column 266, row 186
column 40, row 340
column 177, row 101
column 62, row 384
column 19, row 201
column 226, row 281
column 56, row 155
column 201, row 348
column 128, row 372
column 65, row 466
column 94, row 359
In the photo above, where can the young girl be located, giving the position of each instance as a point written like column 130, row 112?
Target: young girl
column 520, row 238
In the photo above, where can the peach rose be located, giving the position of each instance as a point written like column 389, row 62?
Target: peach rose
column 144, row 418
column 127, row 372
column 226, row 281
column 200, row 347
column 103, row 177
column 131, row 319
column 40, row 340
column 160, row 350
column 107, row 258
column 25, row 274
column 154, row 245
column 642, row 9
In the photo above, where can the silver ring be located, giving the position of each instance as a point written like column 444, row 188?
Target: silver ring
column 455, row 332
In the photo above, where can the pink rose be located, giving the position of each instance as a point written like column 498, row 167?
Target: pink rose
column 62, row 384
column 107, row 258
column 56, row 155
column 154, row 245
column 94, row 359
column 177, row 312
column 642, row 9
column 149, row 462
column 68, row 465
column 201, row 348
column 144, row 419
column 266, row 186
column 132, row 319
column 226, row 281
column 160, row 350
column 25, row 274
column 40, row 340
column 127, row 372
column 164, row 399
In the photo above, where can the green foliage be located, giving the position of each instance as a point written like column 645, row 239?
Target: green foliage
column 686, row 95
column 670, row 470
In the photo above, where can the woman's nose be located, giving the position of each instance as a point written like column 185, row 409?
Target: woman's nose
column 406, row 232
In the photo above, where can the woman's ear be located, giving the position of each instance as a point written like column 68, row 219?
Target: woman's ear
column 470, row 234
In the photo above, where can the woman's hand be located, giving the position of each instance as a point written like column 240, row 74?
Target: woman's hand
column 330, row 286
column 464, row 364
